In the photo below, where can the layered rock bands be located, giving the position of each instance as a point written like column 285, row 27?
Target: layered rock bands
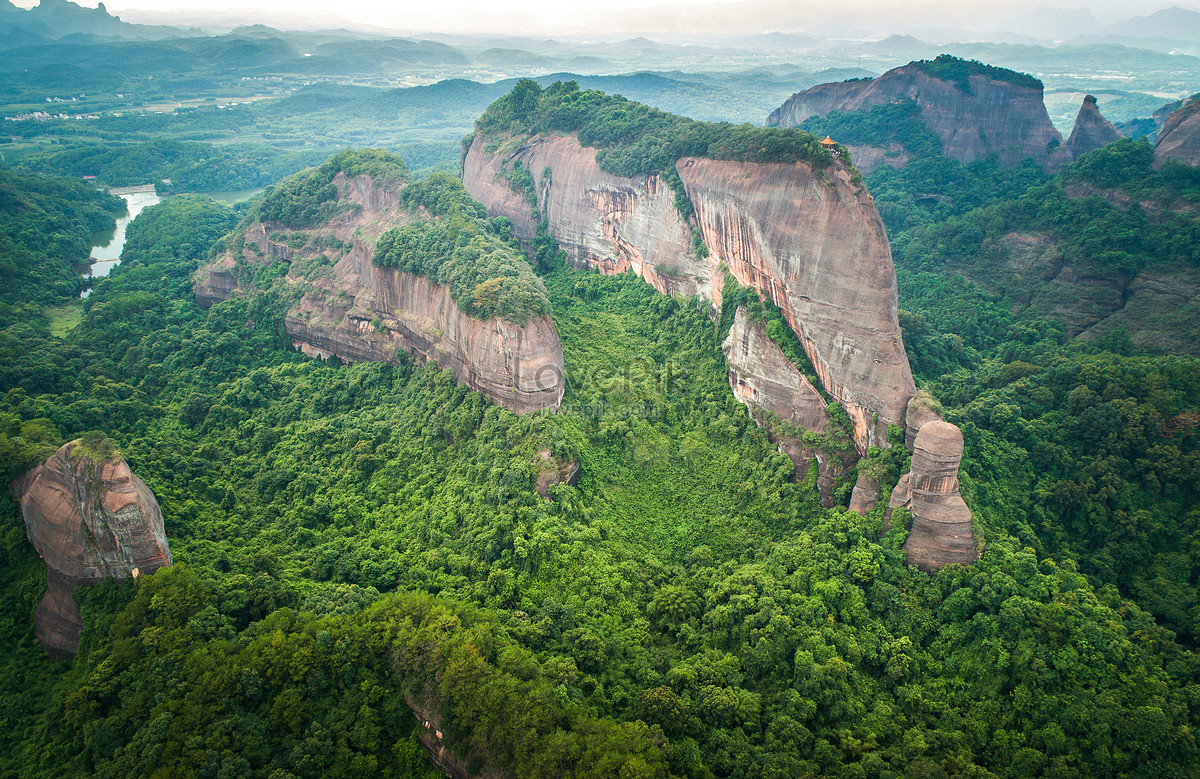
column 811, row 241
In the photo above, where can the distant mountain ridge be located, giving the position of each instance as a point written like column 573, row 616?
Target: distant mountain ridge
column 54, row 19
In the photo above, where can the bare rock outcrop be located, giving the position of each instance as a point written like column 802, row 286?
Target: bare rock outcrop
column 765, row 380
column 1091, row 131
column 610, row 223
column 554, row 470
column 360, row 311
column 90, row 519
column 811, row 241
column 941, row 522
column 1179, row 138
column 919, row 412
column 1006, row 117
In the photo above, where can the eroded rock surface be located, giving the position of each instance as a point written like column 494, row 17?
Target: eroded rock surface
column 601, row 221
column 360, row 311
column 941, row 522
column 1179, row 138
column 554, row 470
column 998, row 117
column 89, row 520
column 1091, row 131
column 763, row 378
column 810, row 241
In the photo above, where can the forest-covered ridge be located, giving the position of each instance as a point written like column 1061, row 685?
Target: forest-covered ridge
column 451, row 241
column 687, row 581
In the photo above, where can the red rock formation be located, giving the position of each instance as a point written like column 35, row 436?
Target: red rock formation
column 1179, row 138
column 920, row 410
column 601, row 221
column 994, row 117
column 1091, row 130
column 811, row 241
column 763, row 378
column 554, row 470
column 941, row 522
column 865, row 494
column 89, row 521
column 814, row 244
column 360, row 311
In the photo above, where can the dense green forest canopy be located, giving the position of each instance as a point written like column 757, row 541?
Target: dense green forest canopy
column 635, row 139
column 172, row 165
column 477, row 258
column 958, row 71
column 1128, row 165
column 45, row 234
column 351, row 541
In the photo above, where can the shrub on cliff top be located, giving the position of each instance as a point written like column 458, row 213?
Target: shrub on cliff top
column 959, row 71
column 460, row 248
column 310, row 197
column 635, row 139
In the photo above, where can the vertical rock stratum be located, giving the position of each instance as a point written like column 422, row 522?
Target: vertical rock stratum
column 90, row 518
column 975, row 109
column 1091, row 131
column 765, row 380
column 811, row 241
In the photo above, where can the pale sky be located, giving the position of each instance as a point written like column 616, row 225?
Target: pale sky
column 536, row 17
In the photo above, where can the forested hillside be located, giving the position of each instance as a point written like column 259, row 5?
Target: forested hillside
column 356, row 543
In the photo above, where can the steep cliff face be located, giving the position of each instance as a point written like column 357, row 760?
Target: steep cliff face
column 764, row 379
column 1179, row 138
column 1091, row 130
column 360, row 311
column 812, row 242
column 994, row 116
column 89, row 520
column 941, row 522
column 610, row 223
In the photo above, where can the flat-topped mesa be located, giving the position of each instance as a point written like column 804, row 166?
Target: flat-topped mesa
column 941, row 522
column 976, row 109
column 1092, row 131
column 802, row 232
column 379, row 297
column 1179, row 138
column 90, row 518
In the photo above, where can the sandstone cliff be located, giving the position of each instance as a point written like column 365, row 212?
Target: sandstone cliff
column 809, row 240
column 992, row 116
column 90, row 520
column 812, row 242
column 1091, row 130
column 1179, row 138
column 765, row 380
column 600, row 221
column 941, row 522
column 360, row 311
